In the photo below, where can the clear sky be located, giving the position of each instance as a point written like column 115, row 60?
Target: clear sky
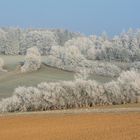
column 85, row 16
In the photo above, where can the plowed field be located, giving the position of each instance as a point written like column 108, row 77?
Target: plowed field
column 90, row 126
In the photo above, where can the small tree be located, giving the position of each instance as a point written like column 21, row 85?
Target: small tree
column 32, row 60
column 82, row 74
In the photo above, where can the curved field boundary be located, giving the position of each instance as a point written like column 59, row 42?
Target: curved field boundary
column 78, row 111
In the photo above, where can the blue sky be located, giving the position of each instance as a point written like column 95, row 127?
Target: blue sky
column 85, row 16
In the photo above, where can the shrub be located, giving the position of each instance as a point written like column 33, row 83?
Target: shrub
column 32, row 60
column 135, row 65
column 74, row 94
column 105, row 69
column 82, row 74
column 68, row 58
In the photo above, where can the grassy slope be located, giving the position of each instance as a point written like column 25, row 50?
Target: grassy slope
column 9, row 81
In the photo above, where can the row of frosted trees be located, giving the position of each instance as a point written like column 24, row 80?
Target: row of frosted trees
column 68, row 50
column 15, row 41
column 124, row 47
column 74, row 94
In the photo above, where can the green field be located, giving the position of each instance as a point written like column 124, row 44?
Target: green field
column 13, row 78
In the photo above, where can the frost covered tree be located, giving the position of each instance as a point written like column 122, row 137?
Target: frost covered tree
column 105, row 69
column 82, row 43
column 72, row 56
column 68, row 57
column 64, row 35
column 135, row 65
column 12, row 41
column 2, row 41
column 55, row 57
column 32, row 60
column 82, row 73
column 42, row 39
column 104, row 36
column 129, row 83
column 92, row 53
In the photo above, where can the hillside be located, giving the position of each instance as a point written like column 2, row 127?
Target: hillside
column 13, row 78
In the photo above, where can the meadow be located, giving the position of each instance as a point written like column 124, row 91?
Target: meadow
column 13, row 78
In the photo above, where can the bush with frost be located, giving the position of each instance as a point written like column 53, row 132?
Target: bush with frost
column 10, row 104
column 129, row 82
column 135, row 65
column 2, row 41
column 50, row 96
column 68, row 58
column 113, row 93
column 12, row 43
column 54, row 62
column 72, row 56
column 125, row 90
column 74, row 94
column 82, row 43
column 32, row 60
column 105, row 69
column 42, row 39
column 82, row 74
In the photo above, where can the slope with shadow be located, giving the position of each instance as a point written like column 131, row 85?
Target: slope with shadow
column 13, row 78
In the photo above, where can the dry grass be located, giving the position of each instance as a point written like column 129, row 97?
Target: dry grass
column 90, row 126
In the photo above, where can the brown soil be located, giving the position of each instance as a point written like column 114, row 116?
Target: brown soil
column 90, row 126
